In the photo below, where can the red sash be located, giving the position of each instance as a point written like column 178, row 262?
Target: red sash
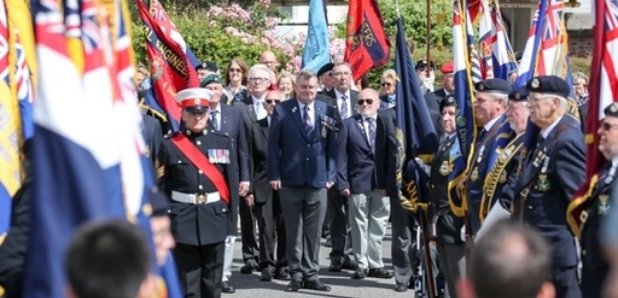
column 201, row 162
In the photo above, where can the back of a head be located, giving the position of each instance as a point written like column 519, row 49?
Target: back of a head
column 510, row 261
column 107, row 259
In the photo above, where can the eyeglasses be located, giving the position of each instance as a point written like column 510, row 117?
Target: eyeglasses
column 258, row 80
column 271, row 100
column 235, row 70
column 386, row 84
column 608, row 126
column 360, row 102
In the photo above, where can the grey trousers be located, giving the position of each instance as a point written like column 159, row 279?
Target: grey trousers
column 304, row 209
column 368, row 214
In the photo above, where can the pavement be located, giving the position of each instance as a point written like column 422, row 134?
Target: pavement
column 249, row 285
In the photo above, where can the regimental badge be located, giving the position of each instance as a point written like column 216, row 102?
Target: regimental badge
column 503, row 177
column 444, row 169
column 475, row 175
column 196, row 101
column 603, row 205
column 613, row 108
column 543, row 184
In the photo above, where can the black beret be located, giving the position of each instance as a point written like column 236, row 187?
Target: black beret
column 207, row 65
column 448, row 101
column 423, row 63
column 549, row 84
column 519, row 55
column 209, row 79
column 326, row 68
column 519, row 95
column 490, row 85
column 611, row 110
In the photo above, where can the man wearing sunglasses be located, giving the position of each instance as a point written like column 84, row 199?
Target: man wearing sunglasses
column 592, row 210
column 366, row 142
column 198, row 178
column 551, row 174
column 264, row 199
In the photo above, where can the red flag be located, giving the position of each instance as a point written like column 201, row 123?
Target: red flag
column 367, row 45
column 603, row 91
column 172, row 61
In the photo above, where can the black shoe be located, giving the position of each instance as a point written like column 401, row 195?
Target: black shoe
column 317, row 285
column 380, row 273
column 267, row 274
column 282, row 274
column 293, row 286
column 399, row 287
column 248, row 268
column 360, row 273
column 349, row 265
column 228, row 288
column 335, row 266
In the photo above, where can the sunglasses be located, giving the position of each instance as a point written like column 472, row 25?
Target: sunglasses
column 607, row 126
column 235, row 70
column 360, row 102
column 271, row 100
column 197, row 112
column 386, row 84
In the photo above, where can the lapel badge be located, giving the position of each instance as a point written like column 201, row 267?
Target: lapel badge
column 503, row 177
column 603, row 204
column 147, row 151
column 475, row 175
column 444, row 168
column 543, row 184
column 293, row 109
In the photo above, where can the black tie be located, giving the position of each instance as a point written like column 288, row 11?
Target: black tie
column 481, row 135
column 307, row 121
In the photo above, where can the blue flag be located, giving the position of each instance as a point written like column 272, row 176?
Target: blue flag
column 415, row 132
column 316, row 52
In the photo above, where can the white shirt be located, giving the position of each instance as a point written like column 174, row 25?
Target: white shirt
column 340, row 102
column 490, row 124
column 258, row 107
column 311, row 112
column 366, row 124
column 545, row 132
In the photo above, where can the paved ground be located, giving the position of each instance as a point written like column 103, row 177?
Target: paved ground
column 341, row 283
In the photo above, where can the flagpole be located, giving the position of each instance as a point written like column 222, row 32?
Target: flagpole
column 428, row 36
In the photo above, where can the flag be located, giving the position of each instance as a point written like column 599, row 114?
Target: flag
column 88, row 159
column 416, row 135
column 316, row 52
column 603, row 91
column 527, row 65
column 465, row 121
column 367, row 45
column 496, row 50
column 172, row 62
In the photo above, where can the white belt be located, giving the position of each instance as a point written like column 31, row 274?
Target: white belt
column 195, row 198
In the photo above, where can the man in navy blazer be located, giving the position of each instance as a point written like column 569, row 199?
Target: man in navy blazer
column 552, row 173
column 228, row 121
column 364, row 142
column 301, row 164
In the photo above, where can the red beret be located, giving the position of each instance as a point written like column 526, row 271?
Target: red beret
column 447, row 67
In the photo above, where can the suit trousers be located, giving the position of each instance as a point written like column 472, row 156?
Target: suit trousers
column 565, row 281
column 272, row 226
column 368, row 213
column 450, row 255
column 339, row 226
column 403, row 250
column 250, row 250
column 200, row 269
column 303, row 209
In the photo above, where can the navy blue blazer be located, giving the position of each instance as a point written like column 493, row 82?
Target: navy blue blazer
column 233, row 126
column 552, row 173
column 297, row 159
column 358, row 167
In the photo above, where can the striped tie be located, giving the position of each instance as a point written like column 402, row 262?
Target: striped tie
column 307, row 121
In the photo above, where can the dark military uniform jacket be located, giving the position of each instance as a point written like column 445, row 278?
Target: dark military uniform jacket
column 198, row 224
column 479, row 169
column 595, row 266
column 448, row 226
column 502, row 177
column 552, row 173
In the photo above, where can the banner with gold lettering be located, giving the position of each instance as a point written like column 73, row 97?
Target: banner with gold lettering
column 172, row 63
